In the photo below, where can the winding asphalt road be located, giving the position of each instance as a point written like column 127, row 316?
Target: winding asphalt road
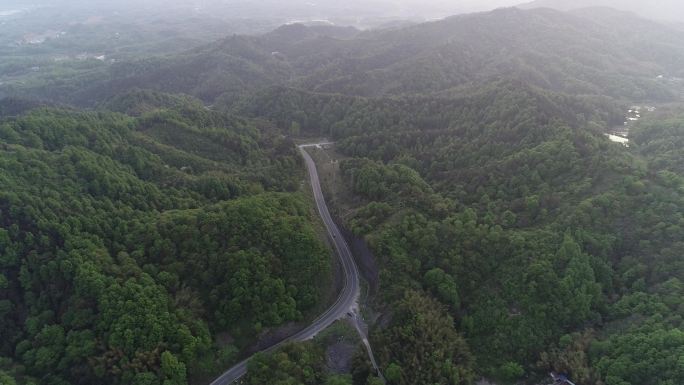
column 346, row 304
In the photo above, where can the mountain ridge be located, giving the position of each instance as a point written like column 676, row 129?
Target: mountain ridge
column 567, row 52
column 661, row 10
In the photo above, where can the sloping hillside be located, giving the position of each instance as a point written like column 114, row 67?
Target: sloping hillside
column 128, row 244
column 578, row 53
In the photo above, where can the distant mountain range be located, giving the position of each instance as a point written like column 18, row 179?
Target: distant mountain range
column 597, row 52
column 671, row 10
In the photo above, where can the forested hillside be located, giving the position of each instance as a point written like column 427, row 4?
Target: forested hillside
column 129, row 244
column 546, row 246
column 532, row 235
column 597, row 53
column 487, row 106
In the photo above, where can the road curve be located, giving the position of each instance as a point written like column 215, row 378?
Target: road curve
column 347, row 301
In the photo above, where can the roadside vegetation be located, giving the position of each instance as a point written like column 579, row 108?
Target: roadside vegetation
column 128, row 246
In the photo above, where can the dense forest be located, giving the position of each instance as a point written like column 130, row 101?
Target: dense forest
column 545, row 245
column 553, row 252
column 155, row 220
column 129, row 244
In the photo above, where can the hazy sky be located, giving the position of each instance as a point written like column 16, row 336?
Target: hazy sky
column 656, row 9
column 409, row 6
column 343, row 10
column 653, row 9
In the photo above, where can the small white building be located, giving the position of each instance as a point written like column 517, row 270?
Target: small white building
column 618, row 139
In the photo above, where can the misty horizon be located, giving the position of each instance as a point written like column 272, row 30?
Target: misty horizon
column 362, row 14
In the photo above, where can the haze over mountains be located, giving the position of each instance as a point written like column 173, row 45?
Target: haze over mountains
column 672, row 10
column 350, row 11
column 359, row 13
column 593, row 52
